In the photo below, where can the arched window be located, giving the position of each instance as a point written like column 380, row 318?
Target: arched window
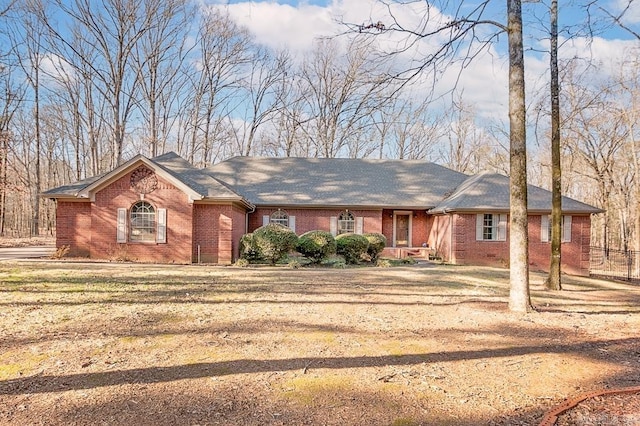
column 346, row 223
column 143, row 222
column 280, row 217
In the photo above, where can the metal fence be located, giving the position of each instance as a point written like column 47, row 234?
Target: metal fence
column 617, row 264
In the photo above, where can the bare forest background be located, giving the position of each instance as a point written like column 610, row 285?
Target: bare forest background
column 87, row 85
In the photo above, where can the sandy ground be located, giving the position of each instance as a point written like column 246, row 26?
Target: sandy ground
column 121, row 344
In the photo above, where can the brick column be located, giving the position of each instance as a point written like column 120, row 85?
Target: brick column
column 225, row 237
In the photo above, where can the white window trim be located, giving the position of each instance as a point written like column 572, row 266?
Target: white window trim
column 123, row 231
column 339, row 223
column 291, row 220
column 499, row 226
column 545, row 228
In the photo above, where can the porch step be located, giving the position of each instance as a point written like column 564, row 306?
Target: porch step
column 415, row 252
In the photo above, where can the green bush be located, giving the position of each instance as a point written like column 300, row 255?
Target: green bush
column 273, row 242
column 377, row 243
column 248, row 249
column 352, row 247
column 316, row 245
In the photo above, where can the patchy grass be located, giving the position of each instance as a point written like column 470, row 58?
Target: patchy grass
column 121, row 343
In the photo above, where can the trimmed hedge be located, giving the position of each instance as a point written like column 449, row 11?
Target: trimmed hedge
column 316, row 245
column 273, row 242
column 377, row 243
column 352, row 247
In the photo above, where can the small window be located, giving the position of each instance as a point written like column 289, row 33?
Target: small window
column 488, row 228
column 491, row 227
column 142, row 222
column 565, row 235
column 280, row 217
column 346, row 223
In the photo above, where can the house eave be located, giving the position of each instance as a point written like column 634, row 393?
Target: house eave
column 227, row 200
column 340, row 206
column 506, row 210
column 91, row 190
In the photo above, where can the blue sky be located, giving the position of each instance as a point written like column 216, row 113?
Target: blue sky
column 296, row 24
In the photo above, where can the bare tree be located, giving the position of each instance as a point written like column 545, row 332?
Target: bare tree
column 519, row 297
column 159, row 55
column 223, row 49
column 28, row 41
column 341, row 93
column 112, row 29
column 453, row 34
column 262, row 88
column 553, row 282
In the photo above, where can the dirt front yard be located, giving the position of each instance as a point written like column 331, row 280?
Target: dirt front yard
column 123, row 344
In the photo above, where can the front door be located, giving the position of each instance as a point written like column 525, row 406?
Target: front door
column 402, row 230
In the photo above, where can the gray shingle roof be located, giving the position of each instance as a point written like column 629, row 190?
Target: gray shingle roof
column 490, row 191
column 171, row 163
column 341, row 182
column 197, row 179
column 71, row 189
column 337, row 181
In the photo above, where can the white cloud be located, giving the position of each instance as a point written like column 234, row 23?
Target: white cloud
column 485, row 79
column 281, row 25
column 632, row 12
column 56, row 69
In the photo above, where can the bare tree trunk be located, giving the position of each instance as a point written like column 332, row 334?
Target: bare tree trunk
column 553, row 282
column 519, row 298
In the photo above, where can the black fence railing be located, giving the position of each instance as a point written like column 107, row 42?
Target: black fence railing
column 618, row 264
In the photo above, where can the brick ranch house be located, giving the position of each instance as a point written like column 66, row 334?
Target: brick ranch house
column 165, row 210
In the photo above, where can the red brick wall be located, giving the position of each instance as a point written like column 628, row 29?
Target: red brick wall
column 73, row 227
column 239, row 217
column 421, row 224
column 120, row 195
column 217, row 230
column 421, row 227
column 387, row 226
column 319, row 219
column 205, row 232
column 466, row 250
column 374, row 221
column 575, row 254
column 440, row 236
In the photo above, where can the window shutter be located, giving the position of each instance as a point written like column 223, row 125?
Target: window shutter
column 121, row 234
column 292, row 223
column 265, row 220
column 479, row 225
column 333, row 225
column 566, row 229
column 544, row 228
column 502, row 228
column 359, row 225
column 161, row 232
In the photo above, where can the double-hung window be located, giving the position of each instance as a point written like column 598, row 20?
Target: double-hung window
column 545, row 229
column 491, row 227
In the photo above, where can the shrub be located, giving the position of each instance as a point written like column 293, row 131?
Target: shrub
column 273, row 241
column 248, row 249
column 316, row 245
column 60, row 252
column 241, row 263
column 377, row 243
column 352, row 247
column 384, row 263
